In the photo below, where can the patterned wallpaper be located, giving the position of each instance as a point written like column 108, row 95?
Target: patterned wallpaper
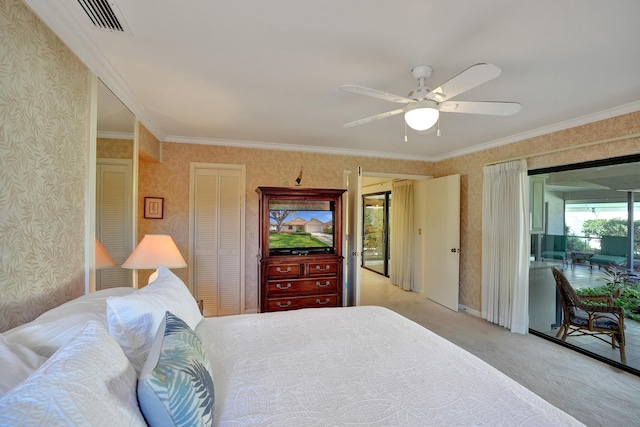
column 148, row 145
column 470, row 169
column 109, row 148
column 170, row 179
column 44, row 117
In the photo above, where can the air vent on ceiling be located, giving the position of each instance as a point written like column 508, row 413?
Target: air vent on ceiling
column 103, row 14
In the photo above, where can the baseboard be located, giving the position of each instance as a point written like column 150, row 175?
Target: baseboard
column 469, row 310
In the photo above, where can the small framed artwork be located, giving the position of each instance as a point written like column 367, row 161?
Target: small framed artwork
column 154, row 207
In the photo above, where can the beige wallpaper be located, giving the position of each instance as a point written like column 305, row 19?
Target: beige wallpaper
column 170, row 179
column 148, row 145
column 44, row 117
column 470, row 168
column 109, row 148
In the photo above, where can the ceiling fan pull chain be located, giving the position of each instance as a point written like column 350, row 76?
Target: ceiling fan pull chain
column 405, row 132
column 438, row 128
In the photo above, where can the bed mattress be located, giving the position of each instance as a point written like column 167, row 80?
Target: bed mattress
column 357, row 366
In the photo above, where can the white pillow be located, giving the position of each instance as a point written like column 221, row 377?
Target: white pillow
column 134, row 319
column 89, row 381
column 56, row 327
column 17, row 363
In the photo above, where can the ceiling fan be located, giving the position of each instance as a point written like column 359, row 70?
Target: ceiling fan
column 423, row 105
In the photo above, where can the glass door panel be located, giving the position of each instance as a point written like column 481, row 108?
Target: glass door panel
column 375, row 232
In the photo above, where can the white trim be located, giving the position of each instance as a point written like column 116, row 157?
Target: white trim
column 292, row 147
column 90, row 190
column 567, row 124
column 545, row 130
column 117, row 135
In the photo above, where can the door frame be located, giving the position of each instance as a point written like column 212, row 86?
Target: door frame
column 385, row 231
column 353, row 215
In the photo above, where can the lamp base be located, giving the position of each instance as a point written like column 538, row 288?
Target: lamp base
column 153, row 277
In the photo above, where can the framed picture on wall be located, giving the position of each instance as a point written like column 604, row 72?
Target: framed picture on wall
column 153, row 207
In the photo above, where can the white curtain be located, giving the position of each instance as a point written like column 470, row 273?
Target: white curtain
column 401, row 235
column 505, row 246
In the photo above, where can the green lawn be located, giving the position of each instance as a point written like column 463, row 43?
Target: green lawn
column 286, row 240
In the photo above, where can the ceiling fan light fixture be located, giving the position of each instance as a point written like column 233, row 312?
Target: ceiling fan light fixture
column 422, row 115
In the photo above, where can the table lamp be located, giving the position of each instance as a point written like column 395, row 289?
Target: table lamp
column 103, row 259
column 155, row 250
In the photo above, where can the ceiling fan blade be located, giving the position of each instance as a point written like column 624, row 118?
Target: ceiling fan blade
column 494, row 108
column 373, row 118
column 468, row 79
column 361, row 90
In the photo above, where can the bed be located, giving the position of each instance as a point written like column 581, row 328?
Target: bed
column 310, row 367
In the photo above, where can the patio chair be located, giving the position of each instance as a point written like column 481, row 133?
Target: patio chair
column 554, row 247
column 613, row 251
column 581, row 318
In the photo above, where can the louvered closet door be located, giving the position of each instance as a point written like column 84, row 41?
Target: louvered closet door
column 216, row 216
column 113, row 219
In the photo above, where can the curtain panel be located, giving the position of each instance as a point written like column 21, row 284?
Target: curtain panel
column 401, row 236
column 505, row 246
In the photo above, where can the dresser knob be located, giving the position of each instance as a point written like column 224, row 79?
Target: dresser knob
column 327, row 283
column 279, row 304
column 280, row 271
column 287, row 286
column 322, row 303
column 328, row 267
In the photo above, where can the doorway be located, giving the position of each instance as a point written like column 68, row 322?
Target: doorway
column 375, row 232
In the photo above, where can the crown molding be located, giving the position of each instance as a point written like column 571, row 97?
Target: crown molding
column 298, row 148
column 116, row 135
column 631, row 107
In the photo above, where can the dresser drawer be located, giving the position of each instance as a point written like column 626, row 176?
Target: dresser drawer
column 278, row 304
column 283, row 270
column 302, row 286
column 317, row 268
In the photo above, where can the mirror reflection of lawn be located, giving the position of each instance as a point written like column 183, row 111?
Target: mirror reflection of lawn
column 297, row 240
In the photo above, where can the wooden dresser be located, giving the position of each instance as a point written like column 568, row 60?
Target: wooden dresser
column 300, row 277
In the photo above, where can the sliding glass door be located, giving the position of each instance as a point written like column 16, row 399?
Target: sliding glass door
column 375, row 236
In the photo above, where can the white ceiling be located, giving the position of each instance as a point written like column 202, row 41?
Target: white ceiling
column 267, row 73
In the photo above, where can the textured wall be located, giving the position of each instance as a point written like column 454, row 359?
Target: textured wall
column 148, row 145
column 170, row 179
column 109, row 148
column 44, row 117
column 470, row 169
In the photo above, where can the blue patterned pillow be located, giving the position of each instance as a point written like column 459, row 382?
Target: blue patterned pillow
column 175, row 387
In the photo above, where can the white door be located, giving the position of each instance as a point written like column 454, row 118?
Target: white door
column 113, row 219
column 442, row 241
column 217, row 237
column 353, row 237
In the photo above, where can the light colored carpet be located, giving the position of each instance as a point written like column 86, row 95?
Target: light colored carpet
column 592, row 392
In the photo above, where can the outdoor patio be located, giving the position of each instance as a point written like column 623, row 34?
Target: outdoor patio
column 581, row 276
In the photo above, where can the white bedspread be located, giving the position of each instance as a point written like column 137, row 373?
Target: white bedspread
column 357, row 366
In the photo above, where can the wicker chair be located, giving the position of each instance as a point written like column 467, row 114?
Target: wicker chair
column 580, row 318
